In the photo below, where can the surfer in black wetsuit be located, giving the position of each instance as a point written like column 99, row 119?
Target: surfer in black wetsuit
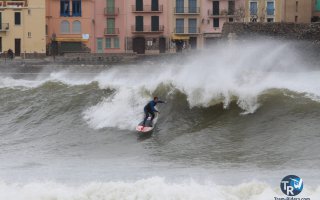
column 150, row 109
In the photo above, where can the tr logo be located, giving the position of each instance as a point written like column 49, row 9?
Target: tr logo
column 291, row 185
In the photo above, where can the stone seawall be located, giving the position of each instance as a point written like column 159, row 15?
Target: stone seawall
column 292, row 31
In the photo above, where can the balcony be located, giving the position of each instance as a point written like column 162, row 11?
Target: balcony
column 14, row 4
column 187, row 30
column 70, row 13
column 111, row 31
column 221, row 14
column 147, row 29
column 111, row 11
column 187, row 10
column 147, row 9
column 4, row 27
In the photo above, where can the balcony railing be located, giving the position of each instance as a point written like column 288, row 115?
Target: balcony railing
column 70, row 13
column 186, row 10
column 222, row 13
column 14, row 4
column 111, row 31
column 4, row 27
column 111, row 11
column 187, row 30
column 147, row 29
column 147, row 8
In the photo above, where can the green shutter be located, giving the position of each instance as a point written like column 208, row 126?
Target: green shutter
column 111, row 26
column 108, row 43
column 318, row 5
column 116, row 42
column 110, row 6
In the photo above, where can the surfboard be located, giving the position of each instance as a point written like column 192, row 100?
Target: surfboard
column 149, row 126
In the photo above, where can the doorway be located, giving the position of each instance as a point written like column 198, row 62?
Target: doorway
column 138, row 45
column 17, row 47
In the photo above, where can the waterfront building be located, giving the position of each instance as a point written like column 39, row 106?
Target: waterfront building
column 147, row 28
column 216, row 13
column 110, row 29
column 263, row 10
column 298, row 11
column 186, row 24
column 22, row 27
column 70, row 26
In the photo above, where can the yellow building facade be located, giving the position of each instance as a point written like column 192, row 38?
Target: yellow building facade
column 23, row 28
column 263, row 10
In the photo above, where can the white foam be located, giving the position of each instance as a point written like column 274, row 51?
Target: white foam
column 155, row 188
column 240, row 72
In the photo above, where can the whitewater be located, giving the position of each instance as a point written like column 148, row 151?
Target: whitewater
column 240, row 117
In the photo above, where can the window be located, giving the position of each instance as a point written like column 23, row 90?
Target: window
column 296, row 19
column 216, row 23
column 179, row 6
column 179, row 25
column 17, row 18
column 29, row 34
column 270, row 20
column 76, row 8
column 270, row 8
column 110, row 7
column 192, row 6
column 231, row 19
column 215, row 8
column 65, row 27
column 29, row 11
column 155, row 23
column 253, row 8
column 108, row 43
column 64, row 8
column 192, row 25
column 116, row 42
column 76, row 27
column 297, row 5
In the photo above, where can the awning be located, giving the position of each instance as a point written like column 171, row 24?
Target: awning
column 180, row 37
column 60, row 39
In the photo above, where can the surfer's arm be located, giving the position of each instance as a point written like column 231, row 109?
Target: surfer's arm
column 162, row 102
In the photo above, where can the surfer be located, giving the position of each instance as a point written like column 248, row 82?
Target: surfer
column 150, row 109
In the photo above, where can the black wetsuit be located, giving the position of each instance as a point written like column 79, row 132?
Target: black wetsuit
column 150, row 109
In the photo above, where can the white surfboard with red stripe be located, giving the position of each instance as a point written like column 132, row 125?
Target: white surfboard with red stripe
column 149, row 126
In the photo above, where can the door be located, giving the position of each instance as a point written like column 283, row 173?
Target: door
column 110, row 7
column 139, row 5
column 193, row 42
column 17, row 47
column 179, row 25
column 162, row 45
column 0, row 21
column 138, row 45
column 154, row 23
column 192, row 6
column 179, row 6
column 110, row 26
column 99, row 45
column 215, row 8
column 192, row 25
column 139, row 23
column 155, row 5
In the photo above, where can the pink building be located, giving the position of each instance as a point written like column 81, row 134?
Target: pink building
column 147, row 27
column 216, row 13
column 110, row 26
column 70, row 25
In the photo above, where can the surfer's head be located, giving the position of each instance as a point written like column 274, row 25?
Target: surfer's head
column 155, row 99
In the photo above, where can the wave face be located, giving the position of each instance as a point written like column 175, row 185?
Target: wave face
column 247, row 108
